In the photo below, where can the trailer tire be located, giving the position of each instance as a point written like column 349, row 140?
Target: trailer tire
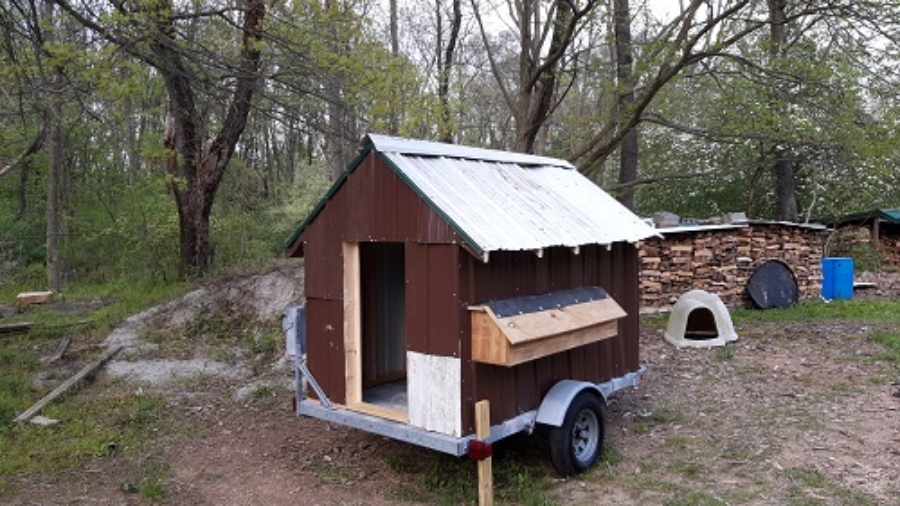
column 577, row 443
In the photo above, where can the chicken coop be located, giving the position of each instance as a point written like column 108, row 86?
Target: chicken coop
column 440, row 275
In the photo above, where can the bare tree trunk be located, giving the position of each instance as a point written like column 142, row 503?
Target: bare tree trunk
column 538, row 76
column 22, row 192
column 395, row 37
column 783, row 165
column 628, row 150
column 54, row 162
column 198, row 172
column 785, row 187
column 54, row 182
column 338, row 151
column 445, row 60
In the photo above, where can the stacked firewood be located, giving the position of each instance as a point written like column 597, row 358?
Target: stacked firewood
column 721, row 261
column 890, row 249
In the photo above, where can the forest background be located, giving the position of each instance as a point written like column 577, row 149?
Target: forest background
column 149, row 141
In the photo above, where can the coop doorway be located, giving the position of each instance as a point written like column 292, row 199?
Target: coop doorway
column 375, row 337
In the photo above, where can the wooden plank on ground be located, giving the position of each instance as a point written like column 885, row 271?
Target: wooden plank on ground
column 28, row 298
column 66, row 385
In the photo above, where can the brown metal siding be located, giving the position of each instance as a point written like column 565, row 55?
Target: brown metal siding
column 432, row 299
column 325, row 345
column 514, row 390
column 373, row 204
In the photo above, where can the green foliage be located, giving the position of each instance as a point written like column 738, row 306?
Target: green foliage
column 809, row 104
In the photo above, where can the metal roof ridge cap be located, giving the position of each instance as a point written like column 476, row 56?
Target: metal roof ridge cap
column 387, row 143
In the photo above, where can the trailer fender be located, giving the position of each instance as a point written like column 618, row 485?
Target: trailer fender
column 555, row 404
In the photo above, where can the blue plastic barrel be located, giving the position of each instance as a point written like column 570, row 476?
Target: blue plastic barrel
column 837, row 278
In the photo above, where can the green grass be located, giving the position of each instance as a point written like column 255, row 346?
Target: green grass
column 870, row 311
column 107, row 423
column 808, row 486
column 440, row 479
column 696, row 499
column 661, row 416
column 16, row 391
column 88, row 428
column 884, row 313
column 891, row 342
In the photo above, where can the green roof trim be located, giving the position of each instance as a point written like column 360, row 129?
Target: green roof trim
column 330, row 193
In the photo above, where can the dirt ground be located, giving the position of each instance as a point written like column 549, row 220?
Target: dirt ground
column 789, row 414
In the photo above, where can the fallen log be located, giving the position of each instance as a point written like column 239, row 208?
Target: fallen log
column 66, row 385
column 14, row 328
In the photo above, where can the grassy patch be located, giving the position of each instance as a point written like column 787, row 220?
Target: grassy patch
column 696, row 499
column 88, row 428
column 891, row 342
column 148, row 482
column 440, row 479
column 662, row 416
column 16, row 391
column 871, row 311
column 809, row 486
column 724, row 353
column 680, row 442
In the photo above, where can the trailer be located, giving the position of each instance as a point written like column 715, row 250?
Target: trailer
column 438, row 275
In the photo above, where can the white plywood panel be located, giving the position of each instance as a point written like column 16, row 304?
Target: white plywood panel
column 433, row 387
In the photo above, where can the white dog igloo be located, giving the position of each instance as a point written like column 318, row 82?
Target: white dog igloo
column 700, row 319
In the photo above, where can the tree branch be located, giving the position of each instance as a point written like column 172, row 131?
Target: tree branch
column 32, row 148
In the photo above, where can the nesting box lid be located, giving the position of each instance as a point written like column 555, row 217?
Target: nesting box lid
column 512, row 331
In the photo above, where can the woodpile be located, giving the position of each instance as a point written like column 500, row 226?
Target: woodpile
column 721, row 260
column 890, row 249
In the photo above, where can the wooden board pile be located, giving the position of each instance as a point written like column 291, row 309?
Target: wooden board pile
column 721, row 261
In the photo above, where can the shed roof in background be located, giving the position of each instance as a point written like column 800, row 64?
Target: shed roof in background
column 503, row 201
column 735, row 226
column 888, row 215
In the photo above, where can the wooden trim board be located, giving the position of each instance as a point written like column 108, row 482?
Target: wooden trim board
column 352, row 324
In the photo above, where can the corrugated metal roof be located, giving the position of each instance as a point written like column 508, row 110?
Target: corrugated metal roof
column 528, row 203
column 503, row 201
column 389, row 144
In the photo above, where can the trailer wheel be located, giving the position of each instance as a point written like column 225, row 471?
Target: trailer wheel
column 575, row 446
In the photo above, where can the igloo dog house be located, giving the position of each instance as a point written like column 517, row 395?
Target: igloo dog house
column 700, row 319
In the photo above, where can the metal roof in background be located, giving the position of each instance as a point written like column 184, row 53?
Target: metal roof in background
column 734, row 226
column 524, row 203
column 888, row 215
